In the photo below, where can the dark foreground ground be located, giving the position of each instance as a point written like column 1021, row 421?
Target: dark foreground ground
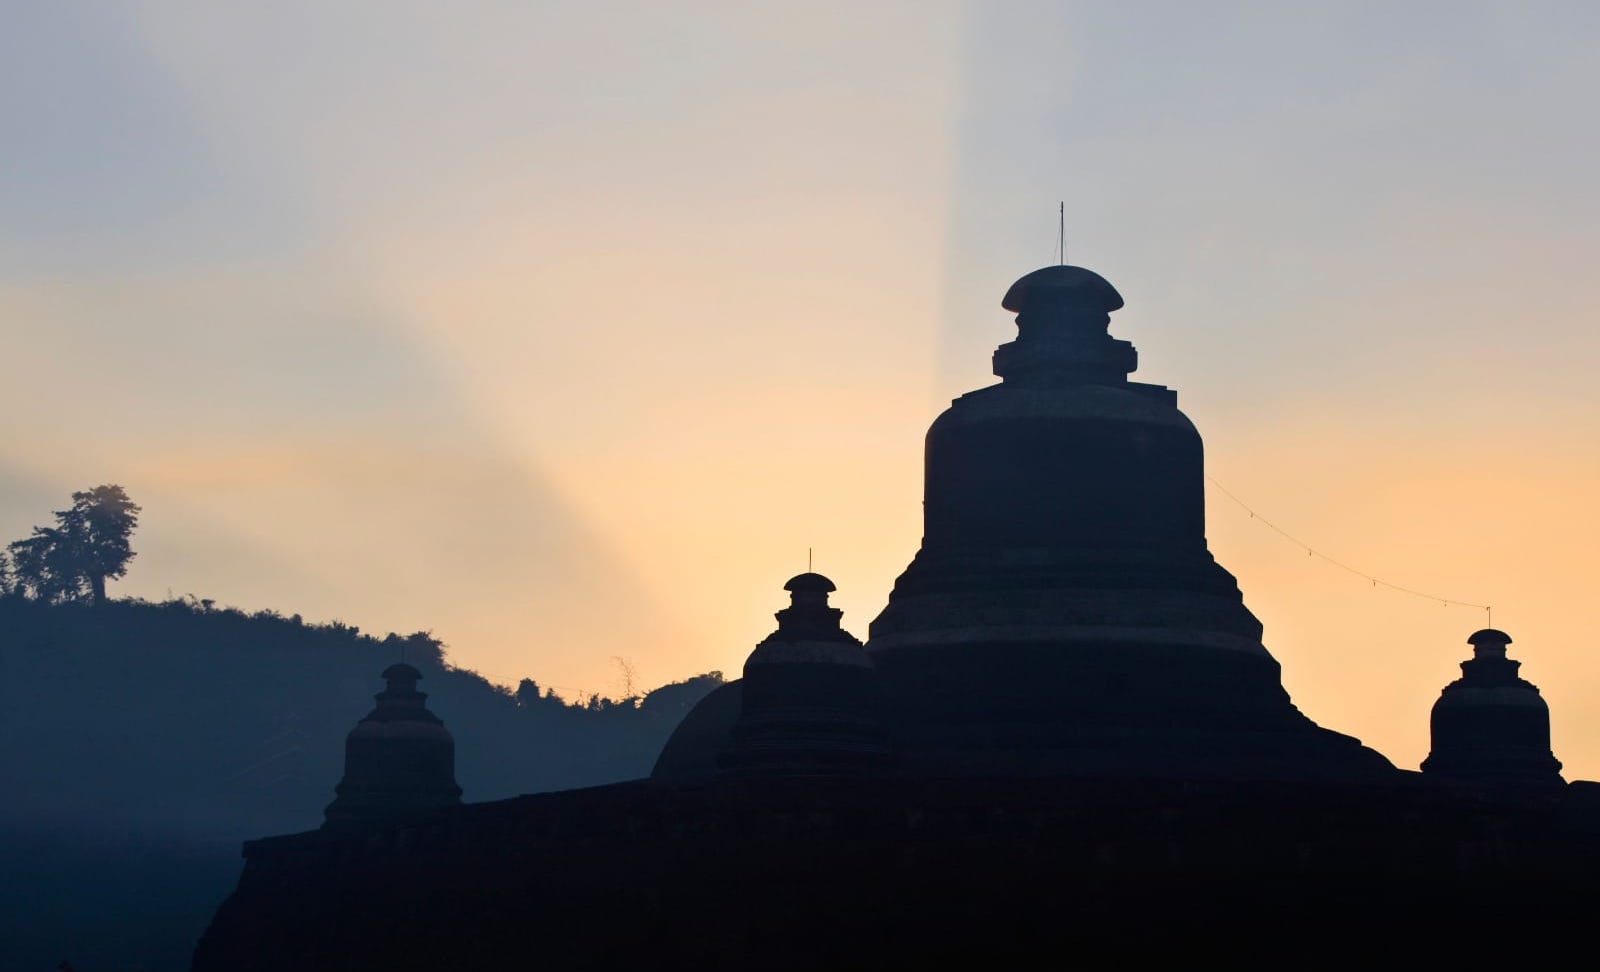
column 121, row 897
column 815, row 874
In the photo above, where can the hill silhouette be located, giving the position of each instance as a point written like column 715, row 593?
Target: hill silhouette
column 145, row 741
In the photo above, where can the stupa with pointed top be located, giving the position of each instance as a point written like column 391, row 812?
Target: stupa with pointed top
column 1491, row 726
column 1064, row 615
column 398, row 761
column 809, row 697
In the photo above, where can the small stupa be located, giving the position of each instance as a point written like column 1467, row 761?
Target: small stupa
column 809, row 705
column 399, row 761
column 1492, row 726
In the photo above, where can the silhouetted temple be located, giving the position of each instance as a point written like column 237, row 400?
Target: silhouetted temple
column 1064, row 615
column 808, row 703
column 1490, row 726
column 1063, row 739
column 398, row 761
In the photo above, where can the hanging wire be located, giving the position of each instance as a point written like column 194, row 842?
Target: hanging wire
column 1313, row 552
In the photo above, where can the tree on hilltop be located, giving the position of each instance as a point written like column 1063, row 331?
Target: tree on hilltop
column 89, row 544
column 101, row 523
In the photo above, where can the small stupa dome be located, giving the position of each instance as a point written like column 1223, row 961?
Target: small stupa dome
column 1491, row 639
column 809, row 583
column 400, row 676
column 1054, row 286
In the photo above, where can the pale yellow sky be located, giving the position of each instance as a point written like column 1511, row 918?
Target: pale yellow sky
column 563, row 332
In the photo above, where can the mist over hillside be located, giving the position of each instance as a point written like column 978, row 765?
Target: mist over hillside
column 143, row 742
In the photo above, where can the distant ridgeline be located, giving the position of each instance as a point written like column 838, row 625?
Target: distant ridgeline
column 163, row 734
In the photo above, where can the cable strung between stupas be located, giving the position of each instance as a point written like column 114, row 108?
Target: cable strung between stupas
column 1313, row 552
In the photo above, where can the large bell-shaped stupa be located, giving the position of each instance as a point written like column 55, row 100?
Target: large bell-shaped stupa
column 1064, row 614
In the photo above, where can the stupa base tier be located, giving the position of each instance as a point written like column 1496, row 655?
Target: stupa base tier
column 1105, row 708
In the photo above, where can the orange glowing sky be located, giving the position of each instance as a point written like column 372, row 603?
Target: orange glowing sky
column 563, row 330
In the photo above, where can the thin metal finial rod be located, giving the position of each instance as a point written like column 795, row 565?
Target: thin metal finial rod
column 808, row 560
column 1061, row 233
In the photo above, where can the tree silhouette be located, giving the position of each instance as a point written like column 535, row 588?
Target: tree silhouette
column 99, row 526
column 528, row 694
column 72, row 560
column 44, row 567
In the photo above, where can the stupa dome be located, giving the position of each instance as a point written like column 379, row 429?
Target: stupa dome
column 810, row 583
column 1062, row 286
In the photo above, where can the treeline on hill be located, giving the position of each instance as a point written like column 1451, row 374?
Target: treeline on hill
column 185, row 713
column 144, row 741
column 181, row 710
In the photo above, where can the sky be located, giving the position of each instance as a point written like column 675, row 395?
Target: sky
column 565, row 330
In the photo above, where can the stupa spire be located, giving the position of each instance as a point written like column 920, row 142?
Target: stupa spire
column 1062, row 316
